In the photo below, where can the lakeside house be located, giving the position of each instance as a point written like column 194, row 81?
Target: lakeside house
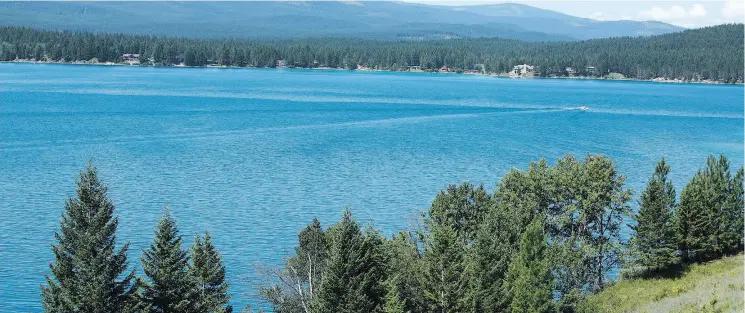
column 131, row 58
column 523, row 70
column 415, row 68
column 570, row 71
column 444, row 69
column 592, row 70
column 281, row 64
column 480, row 67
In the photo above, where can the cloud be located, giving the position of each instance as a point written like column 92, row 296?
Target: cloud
column 598, row 16
column 656, row 13
column 733, row 9
column 675, row 12
column 697, row 10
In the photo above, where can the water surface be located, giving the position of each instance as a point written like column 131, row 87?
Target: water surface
column 252, row 155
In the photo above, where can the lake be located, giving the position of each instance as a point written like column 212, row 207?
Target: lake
column 253, row 155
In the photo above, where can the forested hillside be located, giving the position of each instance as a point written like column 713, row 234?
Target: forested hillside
column 711, row 53
column 294, row 19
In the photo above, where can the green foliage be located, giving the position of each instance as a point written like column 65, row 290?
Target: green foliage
column 712, row 53
column 461, row 207
column 529, row 280
column 709, row 217
column 88, row 273
column 544, row 241
column 653, row 245
column 212, row 287
column 403, row 285
column 445, row 280
column 301, row 278
column 496, row 242
column 355, row 271
column 171, row 288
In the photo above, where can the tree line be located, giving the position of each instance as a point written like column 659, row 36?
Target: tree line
column 710, row 53
column 543, row 241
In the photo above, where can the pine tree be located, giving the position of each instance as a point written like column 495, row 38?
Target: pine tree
column 693, row 226
column 653, row 244
column 171, row 288
column 462, row 207
column 403, row 285
column 529, row 278
column 736, row 203
column 88, row 274
column 445, row 281
column 355, row 272
column 492, row 252
column 709, row 215
column 212, row 287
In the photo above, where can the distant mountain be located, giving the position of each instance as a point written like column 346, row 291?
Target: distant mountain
column 378, row 19
column 547, row 21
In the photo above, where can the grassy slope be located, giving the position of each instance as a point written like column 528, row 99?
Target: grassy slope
column 717, row 286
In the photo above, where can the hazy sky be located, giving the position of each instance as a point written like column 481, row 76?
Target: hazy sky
column 681, row 13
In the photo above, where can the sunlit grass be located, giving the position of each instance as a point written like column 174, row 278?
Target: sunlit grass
column 717, row 286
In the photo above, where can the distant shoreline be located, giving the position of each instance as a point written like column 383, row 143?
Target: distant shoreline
column 500, row 75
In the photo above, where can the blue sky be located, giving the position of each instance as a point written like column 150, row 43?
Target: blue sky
column 682, row 13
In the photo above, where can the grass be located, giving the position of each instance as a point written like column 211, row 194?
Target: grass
column 714, row 287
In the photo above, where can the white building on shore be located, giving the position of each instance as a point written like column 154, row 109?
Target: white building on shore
column 523, row 70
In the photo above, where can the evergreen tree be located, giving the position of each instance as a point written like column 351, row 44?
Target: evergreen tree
column 88, row 273
column 311, row 256
column 709, row 216
column 693, row 226
column 302, row 276
column 496, row 242
column 212, row 288
column 736, row 203
column 653, row 244
column 403, row 285
column 529, row 278
column 171, row 288
column 463, row 208
column 355, row 272
column 445, row 281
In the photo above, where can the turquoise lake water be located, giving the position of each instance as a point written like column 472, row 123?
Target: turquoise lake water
column 252, row 155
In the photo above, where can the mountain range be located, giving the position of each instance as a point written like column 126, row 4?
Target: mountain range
column 293, row 19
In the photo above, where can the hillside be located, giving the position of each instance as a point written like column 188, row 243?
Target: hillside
column 285, row 19
column 711, row 53
column 713, row 287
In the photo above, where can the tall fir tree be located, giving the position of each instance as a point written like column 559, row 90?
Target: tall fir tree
column 496, row 242
column 88, row 274
column 171, row 288
column 445, row 279
column 529, row 279
column 207, row 267
column 653, row 244
column 709, row 216
column 355, row 272
column 403, row 285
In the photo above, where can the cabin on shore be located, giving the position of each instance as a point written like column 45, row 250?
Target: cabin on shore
column 281, row 64
column 415, row 68
column 131, row 58
column 570, row 71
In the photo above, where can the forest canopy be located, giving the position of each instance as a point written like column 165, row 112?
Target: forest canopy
column 710, row 53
